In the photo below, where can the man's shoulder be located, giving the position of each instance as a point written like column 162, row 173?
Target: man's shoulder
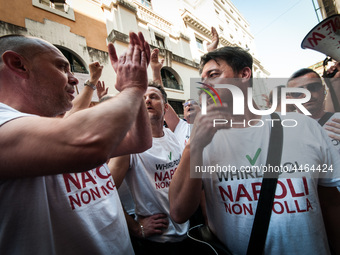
column 336, row 115
column 182, row 124
column 8, row 113
column 168, row 134
column 298, row 118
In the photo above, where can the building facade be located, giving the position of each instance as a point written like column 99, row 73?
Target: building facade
column 180, row 29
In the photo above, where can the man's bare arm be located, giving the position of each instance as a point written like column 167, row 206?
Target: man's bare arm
column 184, row 191
column 214, row 40
column 37, row 146
column 83, row 100
column 139, row 133
column 170, row 116
column 118, row 167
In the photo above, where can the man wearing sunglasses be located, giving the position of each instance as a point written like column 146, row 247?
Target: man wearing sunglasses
column 289, row 232
column 308, row 79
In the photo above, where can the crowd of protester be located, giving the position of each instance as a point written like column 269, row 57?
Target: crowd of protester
column 117, row 177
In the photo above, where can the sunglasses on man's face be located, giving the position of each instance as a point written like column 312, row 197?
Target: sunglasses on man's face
column 193, row 102
column 312, row 87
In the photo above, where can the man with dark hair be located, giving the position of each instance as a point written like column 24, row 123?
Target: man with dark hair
column 310, row 80
column 180, row 127
column 56, row 192
column 232, row 56
column 161, row 89
column 148, row 176
column 228, row 161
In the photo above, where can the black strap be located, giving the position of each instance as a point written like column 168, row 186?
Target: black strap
column 325, row 117
column 265, row 204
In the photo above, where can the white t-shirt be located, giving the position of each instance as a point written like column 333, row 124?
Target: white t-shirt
column 149, row 178
column 296, row 225
column 75, row 213
column 182, row 132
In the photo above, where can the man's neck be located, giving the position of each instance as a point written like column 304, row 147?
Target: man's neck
column 157, row 128
column 315, row 115
column 318, row 115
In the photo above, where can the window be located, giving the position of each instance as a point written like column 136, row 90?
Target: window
column 59, row 7
column 169, row 80
column 177, row 106
column 160, row 42
column 147, row 3
column 199, row 44
column 76, row 64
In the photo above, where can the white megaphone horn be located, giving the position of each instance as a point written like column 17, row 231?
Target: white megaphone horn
column 325, row 37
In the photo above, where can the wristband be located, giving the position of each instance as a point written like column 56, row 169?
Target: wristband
column 88, row 83
column 142, row 228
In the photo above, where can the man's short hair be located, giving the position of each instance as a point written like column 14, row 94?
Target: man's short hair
column 160, row 88
column 236, row 57
column 21, row 44
column 302, row 72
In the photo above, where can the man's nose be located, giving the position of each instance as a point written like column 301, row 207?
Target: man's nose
column 147, row 100
column 72, row 79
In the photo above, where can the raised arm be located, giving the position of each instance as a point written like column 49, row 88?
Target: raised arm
column 170, row 116
column 137, row 135
column 156, row 66
column 83, row 100
column 214, row 40
column 118, row 167
column 185, row 191
column 335, row 81
column 85, row 139
column 101, row 90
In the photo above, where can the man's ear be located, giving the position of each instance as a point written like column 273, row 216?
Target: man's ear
column 246, row 73
column 166, row 107
column 16, row 63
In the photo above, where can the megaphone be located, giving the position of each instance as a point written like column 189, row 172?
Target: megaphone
column 325, row 37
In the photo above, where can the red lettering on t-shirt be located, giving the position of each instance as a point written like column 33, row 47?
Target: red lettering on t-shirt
column 87, row 177
column 100, row 174
column 284, row 190
column 292, row 190
column 74, row 179
column 242, row 192
column 224, row 192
